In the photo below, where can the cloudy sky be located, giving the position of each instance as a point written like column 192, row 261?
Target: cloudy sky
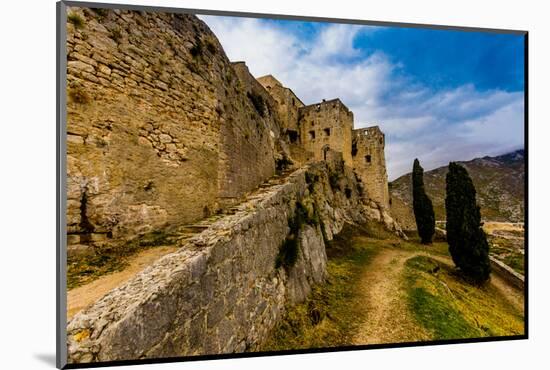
column 438, row 95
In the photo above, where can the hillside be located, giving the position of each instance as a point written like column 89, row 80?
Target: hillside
column 499, row 182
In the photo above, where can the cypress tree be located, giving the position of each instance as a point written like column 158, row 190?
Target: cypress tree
column 422, row 206
column 467, row 241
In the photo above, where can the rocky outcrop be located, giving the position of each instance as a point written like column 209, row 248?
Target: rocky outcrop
column 223, row 290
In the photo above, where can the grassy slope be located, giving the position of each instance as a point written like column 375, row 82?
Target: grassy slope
column 442, row 302
column 323, row 320
column 451, row 308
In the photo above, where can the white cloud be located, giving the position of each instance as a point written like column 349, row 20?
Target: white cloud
column 434, row 126
column 335, row 41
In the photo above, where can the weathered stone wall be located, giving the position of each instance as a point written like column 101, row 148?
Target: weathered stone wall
column 507, row 273
column 288, row 102
column 288, row 105
column 221, row 292
column 159, row 127
column 325, row 126
column 369, row 163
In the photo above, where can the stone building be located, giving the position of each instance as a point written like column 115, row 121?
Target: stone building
column 288, row 107
column 164, row 132
column 314, row 130
column 327, row 126
column 369, row 162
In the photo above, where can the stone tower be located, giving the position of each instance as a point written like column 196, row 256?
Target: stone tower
column 327, row 126
column 317, row 131
column 369, row 163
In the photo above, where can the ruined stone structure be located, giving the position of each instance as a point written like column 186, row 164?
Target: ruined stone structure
column 288, row 106
column 369, row 163
column 163, row 130
column 327, row 126
column 313, row 130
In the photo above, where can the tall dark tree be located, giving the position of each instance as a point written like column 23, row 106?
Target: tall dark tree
column 422, row 206
column 467, row 241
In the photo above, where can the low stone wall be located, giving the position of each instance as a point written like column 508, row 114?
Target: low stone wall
column 507, row 273
column 221, row 292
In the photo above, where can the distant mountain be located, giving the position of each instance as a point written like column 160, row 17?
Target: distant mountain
column 499, row 183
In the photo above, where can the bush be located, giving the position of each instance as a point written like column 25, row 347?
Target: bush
column 467, row 241
column 116, row 34
column 76, row 20
column 282, row 163
column 196, row 50
column 422, row 206
column 288, row 252
column 79, row 96
column 211, row 47
column 101, row 13
column 257, row 102
column 334, row 181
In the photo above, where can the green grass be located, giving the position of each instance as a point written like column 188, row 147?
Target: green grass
column 437, row 314
column 83, row 269
column 449, row 307
column 438, row 298
column 506, row 251
column 329, row 316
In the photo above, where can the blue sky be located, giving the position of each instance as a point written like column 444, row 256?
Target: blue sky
column 438, row 95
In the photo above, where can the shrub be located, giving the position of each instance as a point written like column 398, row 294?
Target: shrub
column 311, row 180
column 289, row 250
column 282, row 163
column 101, row 13
column 348, row 192
column 288, row 253
column 196, row 50
column 422, row 206
column 76, row 20
column 467, row 241
column 334, row 180
column 211, row 47
column 257, row 102
column 78, row 95
column 116, row 34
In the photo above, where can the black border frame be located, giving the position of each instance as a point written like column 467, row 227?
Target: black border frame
column 61, row 252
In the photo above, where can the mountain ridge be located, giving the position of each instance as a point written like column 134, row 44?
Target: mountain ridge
column 499, row 183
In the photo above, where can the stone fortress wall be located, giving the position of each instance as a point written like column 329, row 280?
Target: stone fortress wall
column 159, row 125
column 288, row 106
column 221, row 292
column 163, row 129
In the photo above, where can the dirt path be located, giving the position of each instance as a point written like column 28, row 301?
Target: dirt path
column 83, row 296
column 388, row 320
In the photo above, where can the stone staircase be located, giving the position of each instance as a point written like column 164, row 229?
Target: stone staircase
column 179, row 234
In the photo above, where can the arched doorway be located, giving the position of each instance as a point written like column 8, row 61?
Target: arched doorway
column 324, row 150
